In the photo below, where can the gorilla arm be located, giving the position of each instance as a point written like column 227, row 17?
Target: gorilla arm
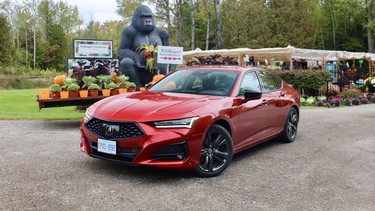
column 125, row 49
column 164, row 36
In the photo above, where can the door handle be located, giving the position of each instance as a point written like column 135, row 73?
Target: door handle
column 264, row 102
column 282, row 94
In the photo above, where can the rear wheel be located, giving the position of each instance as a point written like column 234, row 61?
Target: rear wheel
column 216, row 152
column 291, row 127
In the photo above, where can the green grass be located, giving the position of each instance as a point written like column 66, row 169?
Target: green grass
column 22, row 104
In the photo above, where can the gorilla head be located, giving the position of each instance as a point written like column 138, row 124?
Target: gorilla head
column 143, row 19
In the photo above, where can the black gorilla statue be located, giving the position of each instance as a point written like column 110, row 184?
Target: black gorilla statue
column 142, row 30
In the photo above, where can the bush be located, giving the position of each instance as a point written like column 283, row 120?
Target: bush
column 308, row 81
column 351, row 93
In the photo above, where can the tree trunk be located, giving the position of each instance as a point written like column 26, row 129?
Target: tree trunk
column 182, row 29
column 219, row 42
column 192, row 24
column 208, row 24
column 370, row 34
column 333, row 24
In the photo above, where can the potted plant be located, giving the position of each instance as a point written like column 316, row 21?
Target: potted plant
column 104, row 80
column 55, row 91
column 113, row 88
column 93, row 90
column 122, row 82
column 355, row 101
column 73, row 90
column 131, row 86
column 87, row 81
column 66, row 83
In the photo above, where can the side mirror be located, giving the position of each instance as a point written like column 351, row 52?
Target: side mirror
column 252, row 95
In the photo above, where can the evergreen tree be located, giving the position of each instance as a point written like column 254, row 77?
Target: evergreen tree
column 6, row 47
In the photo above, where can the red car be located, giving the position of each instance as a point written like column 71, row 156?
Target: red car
column 195, row 118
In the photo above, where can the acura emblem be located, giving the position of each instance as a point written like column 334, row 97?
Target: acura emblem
column 110, row 130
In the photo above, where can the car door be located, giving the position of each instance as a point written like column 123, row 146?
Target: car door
column 253, row 114
column 277, row 103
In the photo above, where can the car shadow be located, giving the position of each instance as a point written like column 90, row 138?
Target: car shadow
column 157, row 175
column 61, row 124
column 255, row 149
column 137, row 173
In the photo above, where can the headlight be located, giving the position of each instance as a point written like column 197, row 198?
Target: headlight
column 88, row 114
column 177, row 123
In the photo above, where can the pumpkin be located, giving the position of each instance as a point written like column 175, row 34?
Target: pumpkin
column 156, row 78
column 114, row 77
column 59, row 80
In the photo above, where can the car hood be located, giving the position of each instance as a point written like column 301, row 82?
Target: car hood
column 151, row 106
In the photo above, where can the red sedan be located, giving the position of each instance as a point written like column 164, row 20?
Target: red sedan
column 195, row 118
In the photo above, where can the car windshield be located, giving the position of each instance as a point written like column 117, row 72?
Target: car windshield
column 205, row 82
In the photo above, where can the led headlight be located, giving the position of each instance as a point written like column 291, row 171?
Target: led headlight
column 177, row 123
column 88, row 114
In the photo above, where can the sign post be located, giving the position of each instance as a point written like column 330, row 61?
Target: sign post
column 170, row 55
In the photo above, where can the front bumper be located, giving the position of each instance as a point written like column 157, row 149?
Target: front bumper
column 165, row 148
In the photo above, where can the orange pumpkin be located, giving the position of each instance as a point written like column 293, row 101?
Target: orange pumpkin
column 114, row 77
column 59, row 80
column 156, row 78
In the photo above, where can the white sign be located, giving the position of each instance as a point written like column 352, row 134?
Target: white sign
column 170, row 55
column 93, row 49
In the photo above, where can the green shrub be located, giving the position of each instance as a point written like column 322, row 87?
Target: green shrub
column 309, row 82
column 351, row 93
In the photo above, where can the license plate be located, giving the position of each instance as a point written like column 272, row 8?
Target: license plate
column 107, row 146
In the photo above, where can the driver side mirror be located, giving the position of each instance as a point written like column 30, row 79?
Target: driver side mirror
column 252, row 95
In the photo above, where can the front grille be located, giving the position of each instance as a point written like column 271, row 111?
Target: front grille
column 114, row 130
column 125, row 155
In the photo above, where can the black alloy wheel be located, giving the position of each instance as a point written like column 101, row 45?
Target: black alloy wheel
column 216, row 152
column 291, row 126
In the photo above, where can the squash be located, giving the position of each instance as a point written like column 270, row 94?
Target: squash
column 156, row 78
column 114, row 77
column 59, row 80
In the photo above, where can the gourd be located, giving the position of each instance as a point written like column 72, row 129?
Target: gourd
column 59, row 80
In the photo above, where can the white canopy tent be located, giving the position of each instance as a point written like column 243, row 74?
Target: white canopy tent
column 289, row 53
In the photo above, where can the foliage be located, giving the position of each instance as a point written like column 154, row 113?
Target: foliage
column 309, row 82
column 73, row 87
column 68, row 81
column 337, row 101
column 94, row 86
column 55, row 88
column 111, row 85
column 352, row 92
column 103, row 80
column 122, row 79
column 130, row 85
column 6, row 42
column 88, row 80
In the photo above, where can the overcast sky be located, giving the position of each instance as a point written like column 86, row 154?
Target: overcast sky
column 100, row 10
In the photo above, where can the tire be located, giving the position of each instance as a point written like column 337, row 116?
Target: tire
column 216, row 152
column 291, row 127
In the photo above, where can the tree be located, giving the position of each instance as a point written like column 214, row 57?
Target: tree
column 125, row 8
column 370, row 23
column 6, row 42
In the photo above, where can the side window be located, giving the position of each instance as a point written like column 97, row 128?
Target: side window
column 270, row 82
column 249, row 82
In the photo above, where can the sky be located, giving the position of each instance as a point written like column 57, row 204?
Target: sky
column 99, row 9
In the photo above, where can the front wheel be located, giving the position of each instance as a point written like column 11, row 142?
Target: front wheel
column 291, row 127
column 216, row 152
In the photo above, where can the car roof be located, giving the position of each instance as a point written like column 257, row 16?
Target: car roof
column 220, row 67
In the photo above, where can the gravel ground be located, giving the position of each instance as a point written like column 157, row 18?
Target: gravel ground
column 330, row 166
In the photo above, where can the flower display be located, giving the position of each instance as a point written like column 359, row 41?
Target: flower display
column 149, row 52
